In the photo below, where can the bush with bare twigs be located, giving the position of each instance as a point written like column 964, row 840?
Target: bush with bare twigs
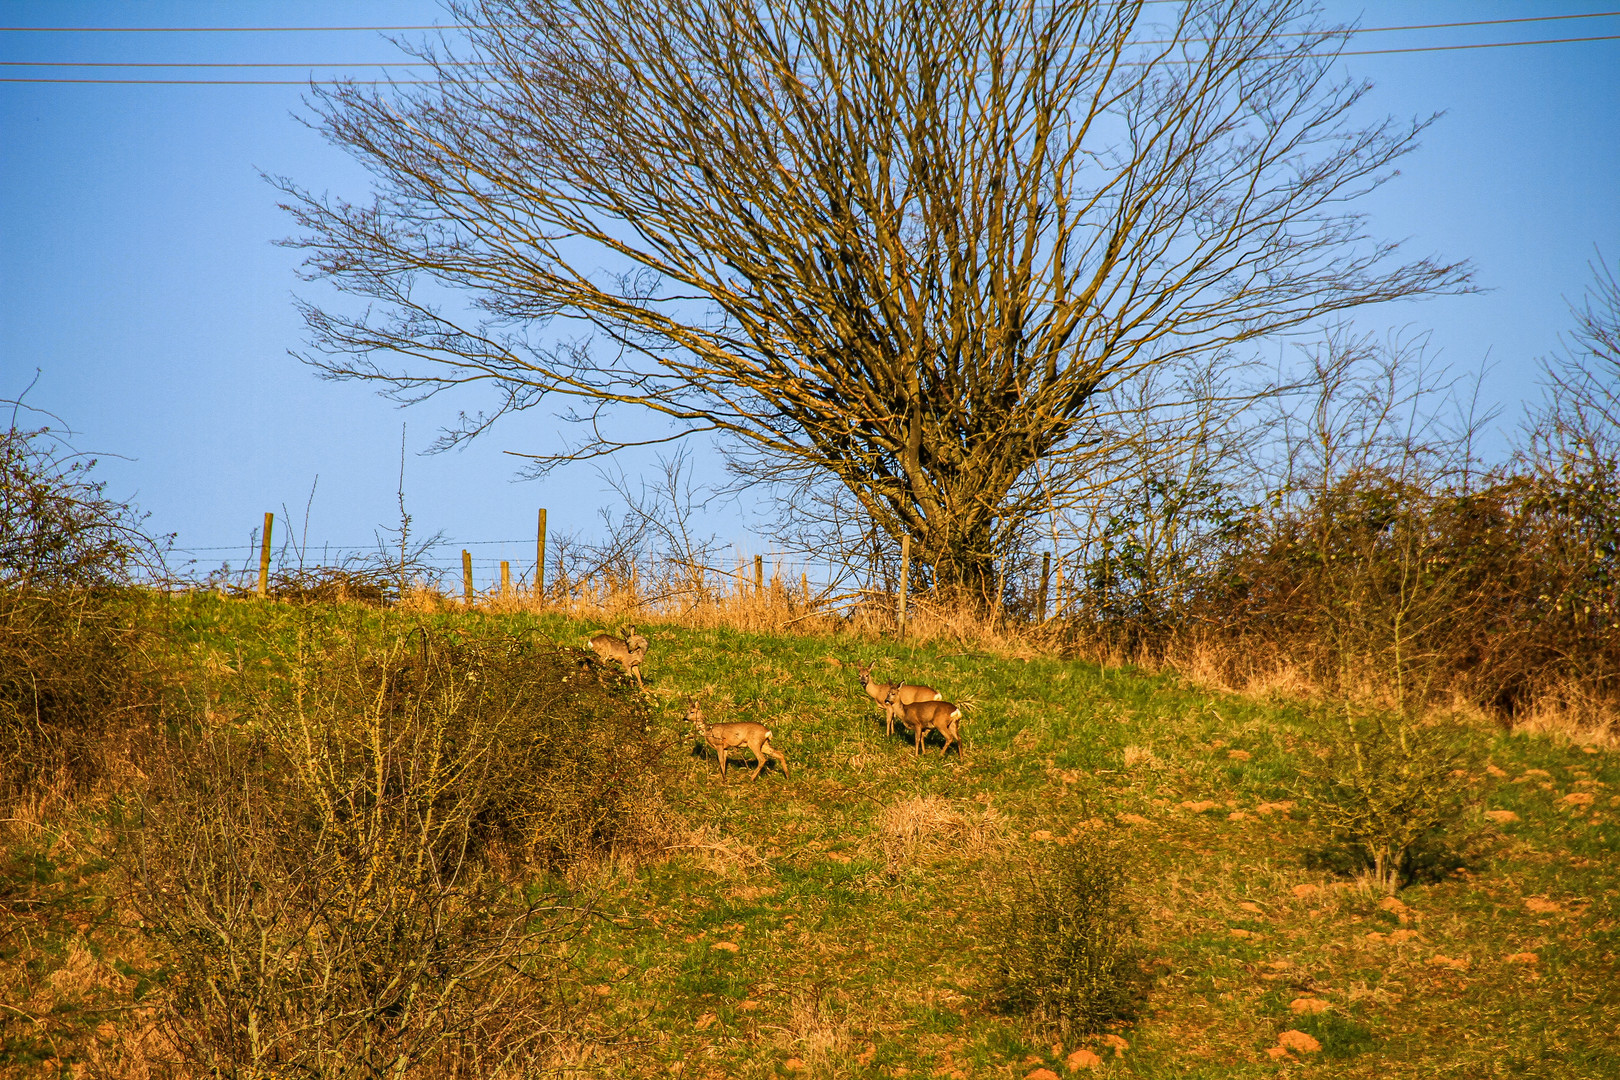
column 1069, row 958
column 323, row 879
column 1385, row 788
column 68, row 672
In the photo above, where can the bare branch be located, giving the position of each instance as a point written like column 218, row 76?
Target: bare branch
column 904, row 245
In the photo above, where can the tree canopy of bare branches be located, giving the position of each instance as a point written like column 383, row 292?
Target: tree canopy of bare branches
column 907, row 245
column 1581, row 416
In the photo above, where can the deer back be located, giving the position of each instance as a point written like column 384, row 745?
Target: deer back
column 911, row 693
column 738, row 733
column 608, row 647
column 937, row 715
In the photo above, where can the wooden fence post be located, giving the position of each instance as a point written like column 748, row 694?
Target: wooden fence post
column 759, row 575
column 264, row 556
column 506, row 579
column 1060, row 592
column 1046, row 576
column 466, row 575
column 905, row 576
column 540, row 558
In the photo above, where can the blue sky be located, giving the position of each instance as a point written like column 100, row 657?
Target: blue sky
column 138, row 271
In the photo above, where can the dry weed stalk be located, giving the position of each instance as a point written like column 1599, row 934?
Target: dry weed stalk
column 719, row 853
column 815, row 1031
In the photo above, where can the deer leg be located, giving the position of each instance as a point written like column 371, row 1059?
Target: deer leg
column 767, row 752
column 759, row 759
column 723, row 752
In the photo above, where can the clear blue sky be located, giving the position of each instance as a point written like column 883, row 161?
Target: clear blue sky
column 138, row 271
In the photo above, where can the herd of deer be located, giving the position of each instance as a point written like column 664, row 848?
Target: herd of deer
column 920, row 709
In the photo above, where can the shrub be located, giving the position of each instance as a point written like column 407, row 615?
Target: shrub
column 1501, row 592
column 58, row 528
column 323, row 932
column 68, row 675
column 322, row 881
column 1384, row 787
column 1070, row 958
column 68, row 681
column 542, row 749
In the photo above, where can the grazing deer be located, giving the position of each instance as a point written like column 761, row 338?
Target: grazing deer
column 925, row 716
column 909, row 693
column 629, row 651
column 728, row 737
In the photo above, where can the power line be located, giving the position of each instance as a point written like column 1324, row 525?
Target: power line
column 1485, row 22
column 476, row 63
column 459, row 26
column 228, row 63
column 252, row 65
column 219, row 82
column 436, row 82
column 1476, row 45
column 215, row 29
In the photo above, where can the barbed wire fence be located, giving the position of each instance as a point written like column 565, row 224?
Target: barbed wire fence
column 477, row 570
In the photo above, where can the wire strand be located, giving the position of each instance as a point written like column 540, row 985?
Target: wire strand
column 439, row 82
column 462, row 26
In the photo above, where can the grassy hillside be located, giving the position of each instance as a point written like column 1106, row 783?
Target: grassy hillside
column 844, row 922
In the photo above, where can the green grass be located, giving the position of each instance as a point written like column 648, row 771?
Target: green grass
column 854, row 957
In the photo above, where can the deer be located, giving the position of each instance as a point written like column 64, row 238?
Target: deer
column 629, row 650
column 925, row 716
column 908, row 694
column 728, row 737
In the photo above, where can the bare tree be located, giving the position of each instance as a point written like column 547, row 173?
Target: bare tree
column 904, row 244
column 1580, row 418
column 1179, row 489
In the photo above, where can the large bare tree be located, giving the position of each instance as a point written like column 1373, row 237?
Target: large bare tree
column 905, row 244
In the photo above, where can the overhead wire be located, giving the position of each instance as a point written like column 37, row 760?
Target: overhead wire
column 459, row 26
column 459, row 63
column 408, row 64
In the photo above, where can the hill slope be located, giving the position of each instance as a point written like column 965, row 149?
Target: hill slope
column 843, row 923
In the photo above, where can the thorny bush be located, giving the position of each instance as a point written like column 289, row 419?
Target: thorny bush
column 324, row 875
column 1070, row 958
column 1385, row 788
column 69, row 671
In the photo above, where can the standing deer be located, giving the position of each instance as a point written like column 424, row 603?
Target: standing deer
column 728, row 737
column 629, row 651
column 925, row 716
column 909, row 693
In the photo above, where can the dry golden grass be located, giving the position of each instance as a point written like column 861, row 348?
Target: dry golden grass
column 818, row 1032
column 918, row 831
column 1566, row 714
column 1570, row 717
column 719, row 853
column 736, row 602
